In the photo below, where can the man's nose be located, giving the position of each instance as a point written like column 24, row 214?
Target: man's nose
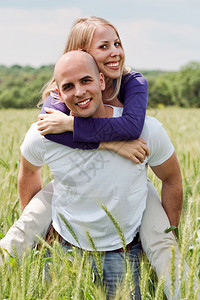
column 79, row 91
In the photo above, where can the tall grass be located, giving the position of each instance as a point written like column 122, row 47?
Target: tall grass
column 71, row 273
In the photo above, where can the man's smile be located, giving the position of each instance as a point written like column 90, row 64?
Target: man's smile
column 84, row 102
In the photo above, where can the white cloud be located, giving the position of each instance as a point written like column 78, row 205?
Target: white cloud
column 35, row 36
column 38, row 36
column 153, row 44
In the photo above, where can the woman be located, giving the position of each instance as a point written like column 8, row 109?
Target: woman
column 101, row 39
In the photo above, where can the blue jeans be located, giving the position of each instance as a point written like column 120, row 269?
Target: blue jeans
column 114, row 269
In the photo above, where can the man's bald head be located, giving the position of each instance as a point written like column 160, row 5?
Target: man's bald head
column 71, row 58
column 80, row 84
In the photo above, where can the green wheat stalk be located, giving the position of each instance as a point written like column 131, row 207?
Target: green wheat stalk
column 172, row 271
column 145, row 270
column 43, row 242
column 68, row 226
column 130, row 286
column 79, row 278
column 118, row 228
column 191, row 279
column 183, row 249
column 24, row 277
column 96, row 254
column 33, row 279
column 159, row 290
column 39, row 269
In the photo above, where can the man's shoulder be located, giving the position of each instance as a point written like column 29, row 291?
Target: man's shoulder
column 158, row 141
column 33, row 132
column 151, row 126
column 151, row 121
column 32, row 137
column 33, row 127
column 32, row 147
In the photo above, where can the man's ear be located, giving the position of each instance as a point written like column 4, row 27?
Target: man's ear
column 102, row 81
column 59, row 94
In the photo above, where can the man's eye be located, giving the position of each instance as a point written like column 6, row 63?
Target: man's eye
column 66, row 87
column 86, row 81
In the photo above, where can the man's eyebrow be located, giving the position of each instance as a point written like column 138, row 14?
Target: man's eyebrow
column 86, row 77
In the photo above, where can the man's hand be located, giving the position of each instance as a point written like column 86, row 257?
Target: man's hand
column 172, row 195
column 29, row 181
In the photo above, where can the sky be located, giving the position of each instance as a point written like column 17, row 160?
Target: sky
column 156, row 34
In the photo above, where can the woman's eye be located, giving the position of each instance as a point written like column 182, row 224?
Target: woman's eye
column 103, row 47
column 117, row 44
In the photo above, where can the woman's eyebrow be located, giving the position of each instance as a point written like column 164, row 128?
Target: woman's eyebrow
column 117, row 39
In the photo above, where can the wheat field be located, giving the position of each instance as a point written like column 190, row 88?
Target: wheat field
column 72, row 278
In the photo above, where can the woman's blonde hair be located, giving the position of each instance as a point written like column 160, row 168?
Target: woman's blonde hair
column 80, row 37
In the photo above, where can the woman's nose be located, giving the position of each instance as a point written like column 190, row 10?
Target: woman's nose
column 114, row 51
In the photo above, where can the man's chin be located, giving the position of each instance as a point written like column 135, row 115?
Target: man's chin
column 82, row 114
column 85, row 113
column 86, row 116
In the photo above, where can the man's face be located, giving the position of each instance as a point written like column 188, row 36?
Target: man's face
column 80, row 86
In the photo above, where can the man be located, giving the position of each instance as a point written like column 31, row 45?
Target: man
column 90, row 174
column 84, row 187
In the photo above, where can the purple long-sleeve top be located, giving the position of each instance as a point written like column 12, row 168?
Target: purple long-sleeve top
column 89, row 132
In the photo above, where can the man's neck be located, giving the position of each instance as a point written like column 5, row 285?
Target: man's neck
column 103, row 112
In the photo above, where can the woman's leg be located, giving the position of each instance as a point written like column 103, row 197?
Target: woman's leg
column 35, row 220
column 157, row 244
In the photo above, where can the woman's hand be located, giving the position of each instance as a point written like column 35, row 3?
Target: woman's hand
column 135, row 150
column 54, row 122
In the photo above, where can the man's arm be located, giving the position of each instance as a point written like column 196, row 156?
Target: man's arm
column 172, row 195
column 29, row 181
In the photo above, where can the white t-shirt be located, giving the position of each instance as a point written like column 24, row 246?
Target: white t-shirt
column 86, row 180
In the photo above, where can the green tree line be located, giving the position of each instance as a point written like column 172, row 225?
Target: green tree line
column 20, row 87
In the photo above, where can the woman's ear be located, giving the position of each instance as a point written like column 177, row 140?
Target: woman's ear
column 57, row 90
column 102, row 81
column 59, row 94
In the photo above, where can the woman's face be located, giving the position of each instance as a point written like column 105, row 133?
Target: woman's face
column 107, row 51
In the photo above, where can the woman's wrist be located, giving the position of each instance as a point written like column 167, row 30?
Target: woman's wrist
column 70, row 123
column 107, row 146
